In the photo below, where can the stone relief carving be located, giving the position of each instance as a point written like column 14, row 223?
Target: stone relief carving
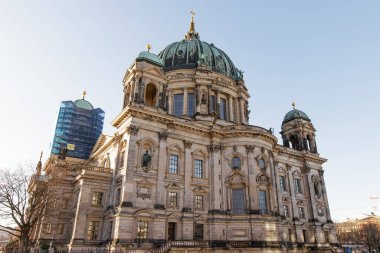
column 144, row 189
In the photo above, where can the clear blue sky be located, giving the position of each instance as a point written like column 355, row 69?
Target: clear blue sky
column 324, row 55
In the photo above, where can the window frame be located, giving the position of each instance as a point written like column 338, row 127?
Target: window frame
column 92, row 230
column 282, row 183
column 176, row 112
column 235, row 202
column 97, row 198
column 298, row 186
column 199, row 203
column 172, row 199
column 198, row 174
column 142, row 230
column 261, row 204
column 170, row 168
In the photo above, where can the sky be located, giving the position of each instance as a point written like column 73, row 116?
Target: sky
column 324, row 55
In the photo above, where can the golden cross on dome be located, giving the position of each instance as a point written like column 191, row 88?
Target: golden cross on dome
column 294, row 105
column 192, row 14
column 84, row 93
column 148, row 47
column 42, row 152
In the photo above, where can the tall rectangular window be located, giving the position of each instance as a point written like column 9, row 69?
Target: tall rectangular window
column 282, row 184
column 172, row 199
column 263, row 202
column 173, row 164
column 198, row 170
column 198, row 202
column 298, row 185
column 198, row 232
column 60, row 228
column 142, row 229
column 326, row 236
column 65, row 203
column 97, row 198
column 223, row 109
column 178, row 105
column 212, row 103
column 190, row 104
column 301, row 213
column 93, row 229
column 47, row 228
column 238, row 204
column 286, row 211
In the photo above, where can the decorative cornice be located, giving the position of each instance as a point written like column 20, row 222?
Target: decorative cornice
column 305, row 169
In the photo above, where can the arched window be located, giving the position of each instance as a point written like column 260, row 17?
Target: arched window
column 262, row 164
column 150, row 95
column 294, row 141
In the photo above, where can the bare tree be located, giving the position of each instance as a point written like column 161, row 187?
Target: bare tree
column 23, row 201
column 369, row 235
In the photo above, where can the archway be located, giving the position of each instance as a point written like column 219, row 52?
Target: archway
column 150, row 95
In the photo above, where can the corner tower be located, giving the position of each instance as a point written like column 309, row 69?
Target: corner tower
column 298, row 132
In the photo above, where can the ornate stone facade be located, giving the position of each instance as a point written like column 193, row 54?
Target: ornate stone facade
column 186, row 170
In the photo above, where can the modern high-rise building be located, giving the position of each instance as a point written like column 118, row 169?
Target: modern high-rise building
column 78, row 128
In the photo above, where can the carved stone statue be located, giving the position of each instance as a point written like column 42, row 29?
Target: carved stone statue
column 146, row 159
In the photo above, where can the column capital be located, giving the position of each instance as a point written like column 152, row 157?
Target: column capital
column 163, row 135
column 249, row 148
column 187, row 144
column 132, row 130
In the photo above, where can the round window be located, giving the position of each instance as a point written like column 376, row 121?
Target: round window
column 236, row 162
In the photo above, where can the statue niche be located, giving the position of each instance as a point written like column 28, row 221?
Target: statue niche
column 146, row 160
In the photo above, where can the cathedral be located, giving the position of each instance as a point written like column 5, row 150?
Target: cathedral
column 185, row 171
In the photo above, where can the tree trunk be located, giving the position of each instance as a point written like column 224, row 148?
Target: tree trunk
column 23, row 246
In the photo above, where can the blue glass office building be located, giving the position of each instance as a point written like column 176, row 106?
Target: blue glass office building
column 78, row 128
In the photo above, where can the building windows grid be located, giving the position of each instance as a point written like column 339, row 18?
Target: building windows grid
column 93, row 229
column 190, row 104
column 282, row 184
column 198, row 170
column 172, row 199
column 97, row 198
column 60, row 228
column 301, row 212
column 178, row 104
column 142, row 229
column 173, row 164
column 199, row 202
column 263, row 202
column 47, row 228
column 223, row 109
column 286, row 211
column 238, row 204
column 298, row 187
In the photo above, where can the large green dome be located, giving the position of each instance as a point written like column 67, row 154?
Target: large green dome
column 191, row 52
column 295, row 114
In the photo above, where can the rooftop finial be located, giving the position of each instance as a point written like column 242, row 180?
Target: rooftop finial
column 148, row 47
column 294, row 105
column 84, row 93
column 42, row 152
column 192, row 25
column 191, row 33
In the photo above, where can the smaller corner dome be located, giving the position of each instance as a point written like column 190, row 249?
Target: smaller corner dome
column 152, row 58
column 84, row 104
column 295, row 114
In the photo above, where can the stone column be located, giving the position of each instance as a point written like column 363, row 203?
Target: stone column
column 188, row 173
column 209, row 98
column 323, row 186
column 230, row 102
column 238, row 111
column 162, row 166
column 217, row 107
column 214, row 172
column 185, row 103
column 308, row 194
column 251, row 177
column 292, row 194
column 142, row 91
column 131, row 153
column 131, row 91
column 136, row 90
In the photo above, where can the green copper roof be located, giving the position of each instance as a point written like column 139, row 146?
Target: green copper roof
column 145, row 55
column 295, row 114
column 84, row 104
column 190, row 53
